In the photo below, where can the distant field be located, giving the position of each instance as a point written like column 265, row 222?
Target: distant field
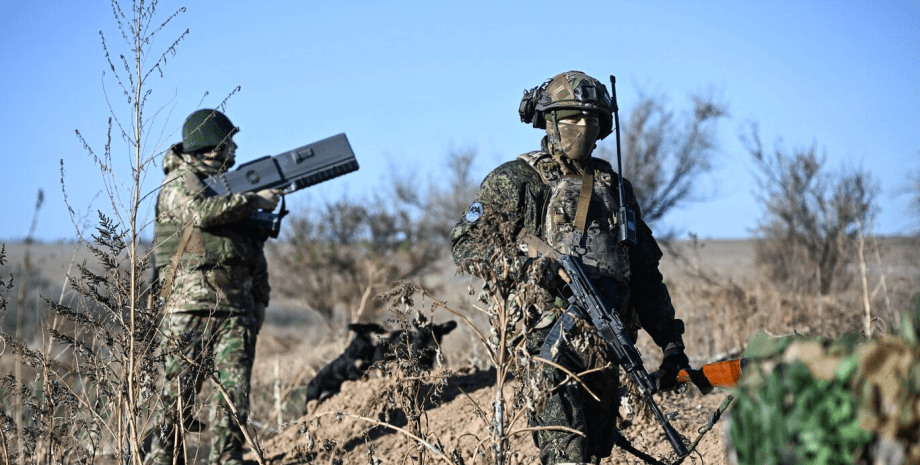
column 733, row 259
column 729, row 260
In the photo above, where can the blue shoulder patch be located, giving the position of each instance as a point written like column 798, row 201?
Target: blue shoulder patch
column 474, row 212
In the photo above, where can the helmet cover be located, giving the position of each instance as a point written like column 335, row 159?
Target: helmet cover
column 206, row 129
column 566, row 94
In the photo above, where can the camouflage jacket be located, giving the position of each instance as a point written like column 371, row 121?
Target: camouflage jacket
column 222, row 267
column 517, row 187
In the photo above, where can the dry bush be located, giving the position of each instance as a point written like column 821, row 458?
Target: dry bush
column 27, row 308
column 813, row 219
column 914, row 190
column 88, row 387
column 416, row 387
column 438, row 206
column 665, row 155
column 337, row 257
column 722, row 308
column 415, row 379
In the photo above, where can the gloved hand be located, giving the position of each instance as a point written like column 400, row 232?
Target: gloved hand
column 260, row 315
column 547, row 271
column 674, row 361
column 267, row 199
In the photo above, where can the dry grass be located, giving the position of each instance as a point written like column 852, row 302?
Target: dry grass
column 715, row 287
column 724, row 298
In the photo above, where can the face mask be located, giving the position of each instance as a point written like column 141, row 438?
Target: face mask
column 214, row 165
column 577, row 140
column 221, row 160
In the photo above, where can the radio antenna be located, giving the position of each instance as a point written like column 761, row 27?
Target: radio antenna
column 626, row 217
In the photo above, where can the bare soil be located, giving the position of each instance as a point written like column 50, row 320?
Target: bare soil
column 457, row 424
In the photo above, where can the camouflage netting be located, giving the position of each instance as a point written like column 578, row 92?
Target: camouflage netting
column 821, row 401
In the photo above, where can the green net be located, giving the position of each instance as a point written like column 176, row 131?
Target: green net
column 822, row 401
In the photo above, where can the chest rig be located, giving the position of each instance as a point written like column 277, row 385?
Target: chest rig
column 580, row 217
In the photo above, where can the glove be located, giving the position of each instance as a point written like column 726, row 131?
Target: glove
column 260, row 315
column 547, row 270
column 674, row 361
column 267, row 199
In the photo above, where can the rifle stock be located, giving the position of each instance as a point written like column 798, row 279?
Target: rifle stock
column 722, row 375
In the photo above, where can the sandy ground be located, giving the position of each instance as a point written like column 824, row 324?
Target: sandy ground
column 456, row 424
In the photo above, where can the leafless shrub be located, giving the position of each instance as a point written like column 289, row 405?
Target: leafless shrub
column 808, row 236
column 722, row 309
column 438, row 206
column 913, row 190
column 93, row 377
column 512, row 305
column 416, row 387
column 337, row 257
column 89, row 387
column 665, row 155
column 26, row 310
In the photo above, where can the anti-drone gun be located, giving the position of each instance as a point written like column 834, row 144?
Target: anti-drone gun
column 289, row 172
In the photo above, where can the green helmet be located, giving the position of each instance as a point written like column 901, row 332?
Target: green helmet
column 206, row 129
column 566, row 94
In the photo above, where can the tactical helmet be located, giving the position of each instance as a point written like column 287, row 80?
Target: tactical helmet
column 205, row 129
column 566, row 94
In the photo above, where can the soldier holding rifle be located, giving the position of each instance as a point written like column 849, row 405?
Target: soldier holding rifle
column 581, row 208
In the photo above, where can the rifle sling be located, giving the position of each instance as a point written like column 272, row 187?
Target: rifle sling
column 174, row 262
column 584, row 201
column 624, row 444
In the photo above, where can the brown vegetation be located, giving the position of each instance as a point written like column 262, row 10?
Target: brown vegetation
column 715, row 286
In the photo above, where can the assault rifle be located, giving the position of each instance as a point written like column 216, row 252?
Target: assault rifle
column 289, row 171
column 585, row 302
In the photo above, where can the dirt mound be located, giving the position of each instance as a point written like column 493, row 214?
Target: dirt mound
column 333, row 432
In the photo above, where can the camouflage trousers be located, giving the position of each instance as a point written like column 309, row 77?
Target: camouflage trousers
column 569, row 405
column 195, row 345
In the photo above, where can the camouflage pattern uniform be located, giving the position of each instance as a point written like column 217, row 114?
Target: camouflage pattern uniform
column 541, row 190
column 209, row 323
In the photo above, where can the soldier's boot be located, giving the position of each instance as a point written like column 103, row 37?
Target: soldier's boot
column 227, row 444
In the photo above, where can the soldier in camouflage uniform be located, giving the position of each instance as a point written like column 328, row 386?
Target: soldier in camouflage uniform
column 542, row 191
column 214, row 279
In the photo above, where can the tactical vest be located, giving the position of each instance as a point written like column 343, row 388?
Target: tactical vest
column 598, row 247
column 205, row 248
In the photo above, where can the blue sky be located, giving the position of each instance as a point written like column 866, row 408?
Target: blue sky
column 410, row 81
